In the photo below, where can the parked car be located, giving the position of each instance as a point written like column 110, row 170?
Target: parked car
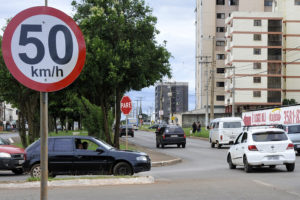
column 130, row 130
column 262, row 147
column 79, row 155
column 154, row 126
column 293, row 131
column 170, row 134
column 11, row 157
column 223, row 131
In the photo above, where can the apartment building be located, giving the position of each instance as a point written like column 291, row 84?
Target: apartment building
column 210, row 37
column 170, row 98
column 263, row 57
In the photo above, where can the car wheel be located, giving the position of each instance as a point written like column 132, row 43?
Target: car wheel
column 229, row 161
column 212, row 145
column 247, row 167
column 35, row 171
column 178, row 145
column 122, row 168
column 219, row 145
column 157, row 145
column 132, row 135
column 298, row 151
column 51, row 175
column 272, row 166
column 162, row 146
column 18, row 171
column 183, row 145
column 290, row 167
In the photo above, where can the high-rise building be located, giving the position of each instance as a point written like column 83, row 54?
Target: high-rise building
column 210, row 37
column 170, row 98
column 262, row 56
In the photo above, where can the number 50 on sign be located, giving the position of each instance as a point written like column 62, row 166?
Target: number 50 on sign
column 43, row 49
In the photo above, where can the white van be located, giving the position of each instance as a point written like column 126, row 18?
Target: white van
column 224, row 130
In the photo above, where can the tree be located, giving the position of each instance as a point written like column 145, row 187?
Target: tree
column 122, row 53
column 26, row 100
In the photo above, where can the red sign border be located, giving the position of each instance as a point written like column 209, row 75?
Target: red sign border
column 12, row 67
column 121, row 104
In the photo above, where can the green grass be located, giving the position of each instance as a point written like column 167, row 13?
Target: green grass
column 31, row 179
column 131, row 148
column 204, row 133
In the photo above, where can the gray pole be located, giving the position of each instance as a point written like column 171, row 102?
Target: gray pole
column 44, row 144
column 126, row 132
column 212, row 87
column 233, row 92
column 44, row 141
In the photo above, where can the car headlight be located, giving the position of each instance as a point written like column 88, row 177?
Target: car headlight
column 141, row 158
column 5, row 155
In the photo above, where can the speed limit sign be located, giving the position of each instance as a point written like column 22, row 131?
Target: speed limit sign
column 44, row 49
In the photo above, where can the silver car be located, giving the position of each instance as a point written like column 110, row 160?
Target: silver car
column 293, row 131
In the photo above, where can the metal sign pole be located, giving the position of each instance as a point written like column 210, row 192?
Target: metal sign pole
column 44, row 144
column 126, row 132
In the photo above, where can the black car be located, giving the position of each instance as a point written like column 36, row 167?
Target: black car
column 80, row 155
column 170, row 134
column 130, row 131
column 154, row 126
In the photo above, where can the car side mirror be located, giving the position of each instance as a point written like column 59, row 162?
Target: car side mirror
column 99, row 150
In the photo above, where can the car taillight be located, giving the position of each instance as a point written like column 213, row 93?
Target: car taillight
column 290, row 146
column 221, row 137
column 184, row 135
column 252, row 148
column 25, row 156
column 164, row 137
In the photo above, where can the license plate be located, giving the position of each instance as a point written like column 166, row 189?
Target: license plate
column 21, row 162
column 273, row 157
column 173, row 135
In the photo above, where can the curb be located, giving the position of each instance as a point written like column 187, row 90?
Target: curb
column 166, row 163
column 81, row 182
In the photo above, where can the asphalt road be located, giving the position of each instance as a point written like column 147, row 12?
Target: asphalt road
column 203, row 174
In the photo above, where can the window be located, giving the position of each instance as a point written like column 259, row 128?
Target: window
column 256, row 65
column 257, row 37
column 256, row 93
column 220, row 70
column 257, row 22
column 268, row 2
column 220, row 15
column 63, row 145
column 269, row 136
column 220, row 29
column 232, row 125
column 256, row 51
column 233, row 2
column 220, row 84
column 256, row 79
column 220, row 56
column 220, row 97
column 244, row 138
column 297, row 2
column 220, row 43
column 220, row 2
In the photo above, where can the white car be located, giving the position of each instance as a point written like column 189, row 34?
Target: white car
column 262, row 147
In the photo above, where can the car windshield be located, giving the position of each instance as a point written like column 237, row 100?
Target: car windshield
column 232, row 125
column 294, row 129
column 174, row 130
column 2, row 142
column 269, row 136
column 104, row 144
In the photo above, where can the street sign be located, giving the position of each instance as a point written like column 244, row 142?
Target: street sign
column 161, row 112
column 44, row 49
column 126, row 105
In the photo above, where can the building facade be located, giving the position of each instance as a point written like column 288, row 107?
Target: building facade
column 210, row 45
column 170, row 98
column 262, row 57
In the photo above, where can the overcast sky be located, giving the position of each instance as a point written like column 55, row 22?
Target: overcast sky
column 176, row 23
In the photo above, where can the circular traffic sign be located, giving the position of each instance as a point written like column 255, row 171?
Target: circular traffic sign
column 126, row 105
column 44, row 49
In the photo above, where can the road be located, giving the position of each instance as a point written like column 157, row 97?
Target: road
column 203, row 174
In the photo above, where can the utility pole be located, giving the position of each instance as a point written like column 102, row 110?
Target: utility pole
column 233, row 91
column 212, row 88
column 161, row 105
column 206, row 62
